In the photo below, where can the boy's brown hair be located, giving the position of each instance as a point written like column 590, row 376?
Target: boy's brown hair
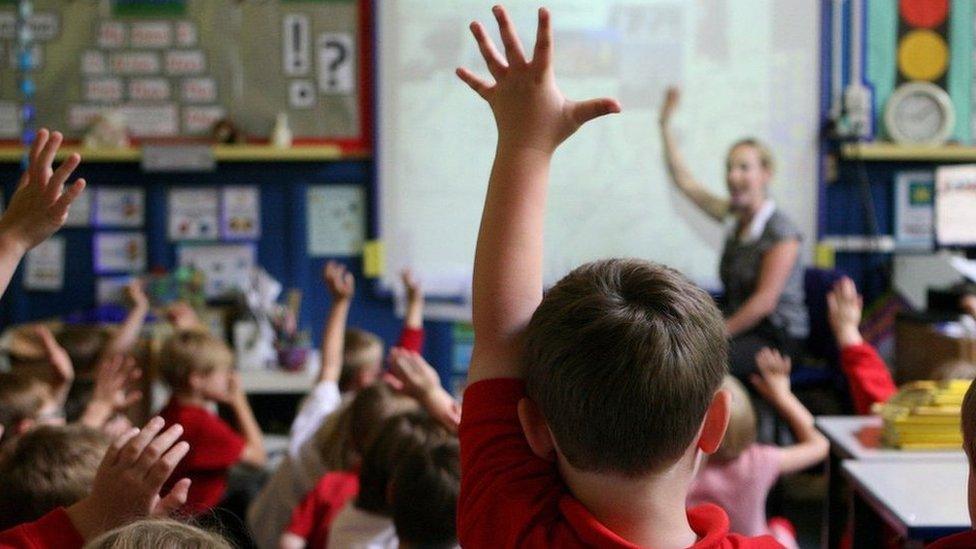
column 425, row 492
column 623, row 358
column 46, row 468
column 398, row 436
column 969, row 424
column 361, row 349
column 741, row 432
column 189, row 352
column 21, row 397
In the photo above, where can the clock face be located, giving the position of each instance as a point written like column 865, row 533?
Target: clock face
column 919, row 117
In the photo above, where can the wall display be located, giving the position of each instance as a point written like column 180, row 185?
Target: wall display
column 120, row 252
column 336, row 217
column 914, row 203
column 193, row 214
column 176, row 71
column 955, row 205
column 119, row 206
column 240, row 213
column 224, row 266
column 44, row 266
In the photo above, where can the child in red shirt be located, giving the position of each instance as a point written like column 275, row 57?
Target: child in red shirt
column 588, row 408
column 966, row 540
column 198, row 366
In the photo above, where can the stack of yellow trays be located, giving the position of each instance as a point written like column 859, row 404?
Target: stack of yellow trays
column 925, row 415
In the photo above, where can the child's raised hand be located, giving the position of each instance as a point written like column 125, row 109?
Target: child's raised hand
column 135, row 292
column 112, row 392
column 182, row 316
column 127, row 483
column 412, row 285
column 773, row 379
column 845, row 306
column 417, row 377
column 671, row 99
column 39, row 206
column 57, row 357
column 341, row 283
column 529, row 109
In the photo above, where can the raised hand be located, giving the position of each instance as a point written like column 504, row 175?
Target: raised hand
column 773, row 379
column 530, row 110
column 341, row 283
column 39, row 206
column 411, row 285
column 845, row 307
column 135, row 292
column 671, row 98
column 63, row 371
column 112, row 393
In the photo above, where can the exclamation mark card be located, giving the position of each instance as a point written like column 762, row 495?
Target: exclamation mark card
column 296, row 45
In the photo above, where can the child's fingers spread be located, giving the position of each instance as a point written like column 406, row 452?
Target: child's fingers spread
column 40, row 140
column 114, row 449
column 50, row 150
column 513, row 46
column 496, row 65
column 175, row 499
column 63, row 173
column 163, row 467
column 155, row 450
column 480, row 86
column 69, row 196
column 584, row 111
column 133, row 449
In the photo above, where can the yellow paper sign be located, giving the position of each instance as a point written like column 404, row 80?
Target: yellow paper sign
column 374, row 259
column 825, row 256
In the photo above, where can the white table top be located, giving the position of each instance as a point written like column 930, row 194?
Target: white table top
column 858, row 437
column 920, row 499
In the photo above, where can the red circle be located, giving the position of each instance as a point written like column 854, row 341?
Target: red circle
column 924, row 13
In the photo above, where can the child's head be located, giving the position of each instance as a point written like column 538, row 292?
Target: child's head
column 624, row 360
column 196, row 362
column 158, row 534
column 741, row 432
column 362, row 359
column 969, row 444
column 24, row 402
column 955, row 369
column 342, row 440
column 84, row 344
column 425, row 493
column 398, row 435
column 46, row 468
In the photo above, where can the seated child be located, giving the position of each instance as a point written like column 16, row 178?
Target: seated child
column 308, row 458
column 46, row 468
column 425, row 493
column 740, row 474
column 24, row 403
column 869, row 380
column 588, row 405
column 126, row 487
column 966, row 540
column 198, row 368
column 367, row 522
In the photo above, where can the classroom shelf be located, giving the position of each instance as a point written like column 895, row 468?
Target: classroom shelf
column 223, row 153
column 908, row 153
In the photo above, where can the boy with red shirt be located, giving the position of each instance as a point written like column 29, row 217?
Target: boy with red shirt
column 198, row 367
column 966, row 540
column 588, row 409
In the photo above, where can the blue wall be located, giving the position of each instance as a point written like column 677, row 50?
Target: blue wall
column 281, row 249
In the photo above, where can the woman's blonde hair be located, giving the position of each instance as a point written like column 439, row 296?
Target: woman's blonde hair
column 764, row 152
column 158, row 534
column 741, row 433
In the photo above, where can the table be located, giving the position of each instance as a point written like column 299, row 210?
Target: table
column 858, row 437
column 920, row 500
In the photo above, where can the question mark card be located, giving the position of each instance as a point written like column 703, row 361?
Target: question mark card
column 336, row 62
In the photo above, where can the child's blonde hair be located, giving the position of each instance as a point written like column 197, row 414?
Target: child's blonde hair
column 158, row 534
column 361, row 350
column 954, row 369
column 21, row 397
column 192, row 352
column 343, row 438
column 46, row 468
column 741, row 432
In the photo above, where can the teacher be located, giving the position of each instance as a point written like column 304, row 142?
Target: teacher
column 760, row 268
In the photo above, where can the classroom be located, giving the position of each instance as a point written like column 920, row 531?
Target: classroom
column 379, row 274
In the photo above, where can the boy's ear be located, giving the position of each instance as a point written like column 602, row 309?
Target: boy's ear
column 536, row 430
column 716, row 420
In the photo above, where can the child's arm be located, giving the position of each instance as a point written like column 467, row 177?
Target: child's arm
column 111, row 394
column 412, row 335
column 420, row 380
column 773, row 383
column 533, row 118
column 716, row 207
column 291, row 541
column 254, row 452
column 867, row 375
column 39, row 206
column 128, row 333
column 63, row 371
column 127, row 484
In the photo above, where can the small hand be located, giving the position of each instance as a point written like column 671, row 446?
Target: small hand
column 57, row 357
column 412, row 285
column 135, row 292
column 530, row 110
column 341, row 283
column 417, row 377
column 773, row 379
column 671, row 99
column 113, row 381
column 182, row 316
column 844, row 306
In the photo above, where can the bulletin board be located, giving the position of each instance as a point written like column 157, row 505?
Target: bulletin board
column 175, row 67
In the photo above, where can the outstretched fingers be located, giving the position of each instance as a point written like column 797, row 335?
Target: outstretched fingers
column 479, row 85
column 513, row 46
column 584, row 111
column 496, row 65
column 542, row 57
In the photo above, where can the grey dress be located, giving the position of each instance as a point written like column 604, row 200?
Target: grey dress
column 740, row 267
